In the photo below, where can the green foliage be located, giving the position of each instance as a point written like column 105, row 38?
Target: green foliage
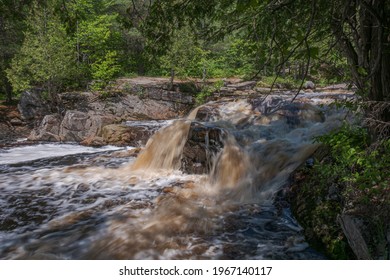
column 12, row 24
column 240, row 57
column 322, row 205
column 357, row 167
column 66, row 44
column 104, row 69
column 355, row 178
column 202, row 96
column 96, row 39
column 234, row 56
column 183, row 56
column 46, row 58
column 190, row 57
column 207, row 91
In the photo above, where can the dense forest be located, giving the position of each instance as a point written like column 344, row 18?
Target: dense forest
column 59, row 46
column 74, row 43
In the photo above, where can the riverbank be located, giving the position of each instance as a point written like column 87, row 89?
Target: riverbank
column 132, row 110
column 203, row 181
column 99, row 118
column 12, row 125
column 343, row 198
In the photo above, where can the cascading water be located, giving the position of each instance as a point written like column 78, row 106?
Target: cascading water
column 102, row 206
column 163, row 150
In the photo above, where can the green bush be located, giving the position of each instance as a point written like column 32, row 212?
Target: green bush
column 359, row 165
column 353, row 178
column 104, row 69
column 207, row 91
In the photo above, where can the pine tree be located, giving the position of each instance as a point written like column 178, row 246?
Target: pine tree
column 46, row 58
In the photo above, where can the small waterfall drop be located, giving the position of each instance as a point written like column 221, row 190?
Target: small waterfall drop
column 164, row 149
column 113, row 207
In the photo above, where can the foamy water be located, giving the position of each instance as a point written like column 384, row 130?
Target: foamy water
column 30, row 153
column 114, row 205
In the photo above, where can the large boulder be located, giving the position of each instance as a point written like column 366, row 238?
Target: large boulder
column 48, row 130
column 32, row 107
column 77, row 126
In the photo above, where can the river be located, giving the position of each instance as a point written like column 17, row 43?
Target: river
column 65, row 201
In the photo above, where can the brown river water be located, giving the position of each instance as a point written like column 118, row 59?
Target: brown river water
column 64, row 201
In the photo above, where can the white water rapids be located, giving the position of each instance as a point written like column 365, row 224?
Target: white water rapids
column 63, row 201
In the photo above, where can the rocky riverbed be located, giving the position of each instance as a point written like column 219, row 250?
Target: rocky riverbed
column 98, row 119
column 206, row 184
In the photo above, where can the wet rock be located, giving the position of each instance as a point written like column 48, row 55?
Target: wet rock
column 207, row 113
column 32, row 107
column 79, row 101
column 16, row 122
column 226, row 91
column 267, row 105
column 73, row 126
column 342, row 86
column 125, row 135
column 94, row 141
column 294, row 113
column 309, row 85
column 202, row 144
column 132, row 101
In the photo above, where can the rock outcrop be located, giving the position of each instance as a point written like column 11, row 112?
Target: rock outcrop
column 83, row 115
column 49, row 129
column 32, row 107
column 12, row 124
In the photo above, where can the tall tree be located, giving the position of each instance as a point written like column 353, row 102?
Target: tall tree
column 94, row 27
column 12, row 16
column 359, row 28
column 46, row 58
column 362, row 30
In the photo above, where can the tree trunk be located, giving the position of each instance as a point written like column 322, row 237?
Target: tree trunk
column 367, row 47
column 171, row 79
column 380, row 56
column 8, row 91
column 204, row 75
